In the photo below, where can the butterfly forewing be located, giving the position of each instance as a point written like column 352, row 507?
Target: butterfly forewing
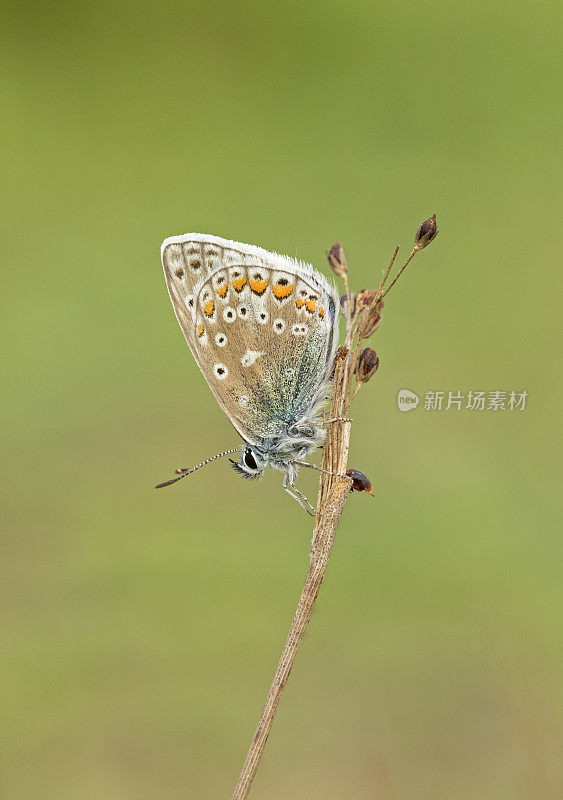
column 188, row 260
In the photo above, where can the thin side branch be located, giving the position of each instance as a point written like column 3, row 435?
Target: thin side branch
column 389, row 268
column 412, row 254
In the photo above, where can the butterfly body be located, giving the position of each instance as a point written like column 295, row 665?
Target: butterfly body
column 263, row 329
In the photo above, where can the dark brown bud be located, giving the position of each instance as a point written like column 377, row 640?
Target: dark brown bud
column 367, row 365
column 427, row 231
column 348, row 304
column 370, row 320
column 360, row 482
column 337, row 260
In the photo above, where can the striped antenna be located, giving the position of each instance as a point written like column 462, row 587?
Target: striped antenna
column 181, row 472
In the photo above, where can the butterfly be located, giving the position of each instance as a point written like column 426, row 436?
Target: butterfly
column 263, row 329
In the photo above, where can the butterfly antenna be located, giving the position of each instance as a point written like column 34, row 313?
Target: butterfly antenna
column 181, row 472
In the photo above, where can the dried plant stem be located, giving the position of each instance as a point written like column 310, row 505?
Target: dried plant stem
column 333, row 492
column 334, row 486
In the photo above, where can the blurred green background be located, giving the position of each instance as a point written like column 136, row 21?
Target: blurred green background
column 141, row 629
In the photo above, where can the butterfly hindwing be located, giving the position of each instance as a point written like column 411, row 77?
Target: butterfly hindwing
column 261, row 326
column 264, row 336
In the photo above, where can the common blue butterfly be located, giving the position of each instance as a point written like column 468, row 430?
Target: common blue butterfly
column 263, row 329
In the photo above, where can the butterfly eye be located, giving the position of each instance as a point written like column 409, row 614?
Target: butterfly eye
column 249, row 460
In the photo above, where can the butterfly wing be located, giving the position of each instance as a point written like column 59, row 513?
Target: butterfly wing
column 189, row 259
column 263, row 329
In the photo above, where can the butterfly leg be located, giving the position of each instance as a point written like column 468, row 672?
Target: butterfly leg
column 294, row 492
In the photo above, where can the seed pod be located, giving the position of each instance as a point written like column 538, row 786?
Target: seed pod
column 426, row 232
column 337, row 260
column 365, row 298
column 367, row 365
column 360, row 482
column 370, row 320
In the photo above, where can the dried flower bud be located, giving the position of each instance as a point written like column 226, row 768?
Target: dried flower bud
column 337, row 260
column 365, row 297
column 367, row 365
column 360, row 482
column 348, row 304
column 427, row 231
column 370, row 319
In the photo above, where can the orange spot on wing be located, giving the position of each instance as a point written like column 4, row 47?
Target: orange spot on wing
column 299, row 303
column 282, row 291
column 222, row 290
column 208, row 308
column 258, row 287
column 200, row 330
column 311, row 305
column 321, row 312
column 238, row 283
